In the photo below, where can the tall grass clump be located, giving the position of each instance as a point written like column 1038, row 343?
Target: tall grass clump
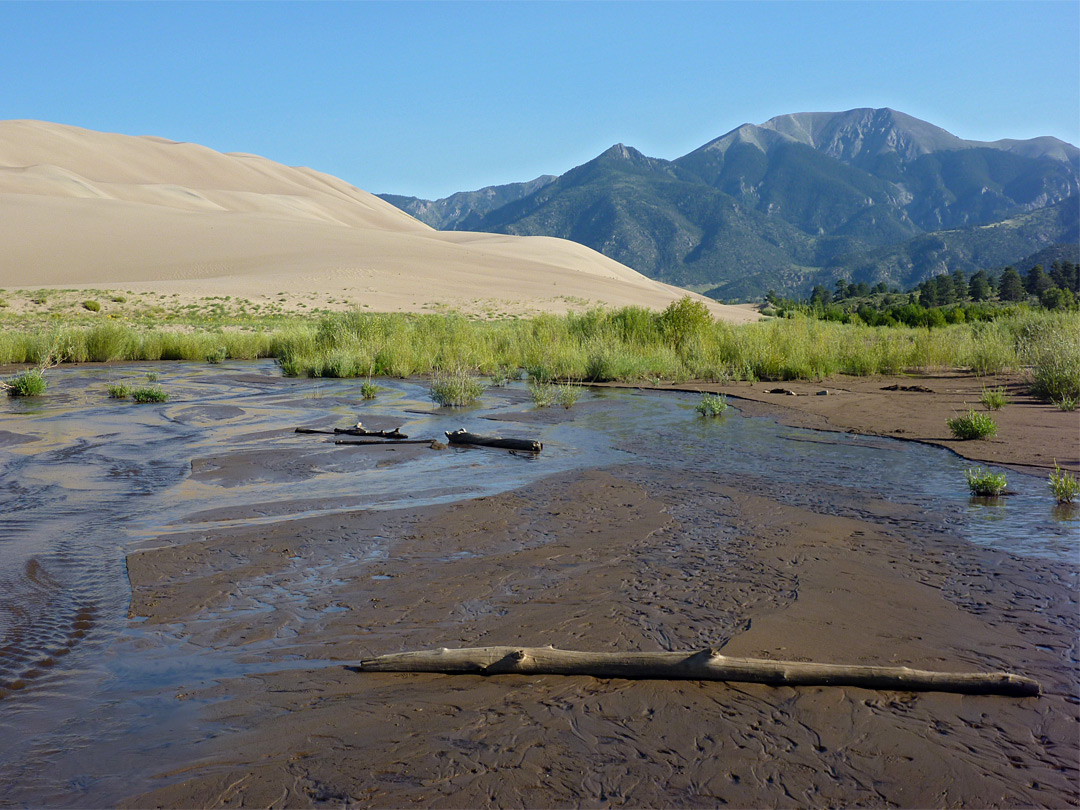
column 1063, row 484
column 454, row 388
column 28, row 384
column 119, row 391
column 994, row 399
column 984, row 483
column 369, row 390
column 542, row 393
column 1050, row 344
column 972, row 425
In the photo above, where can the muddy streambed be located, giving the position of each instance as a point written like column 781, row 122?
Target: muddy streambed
column 179, row 584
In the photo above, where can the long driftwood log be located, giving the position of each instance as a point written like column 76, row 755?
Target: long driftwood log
column 706, row 665
column 356, row 443
column 356, row 431
column 464, row 437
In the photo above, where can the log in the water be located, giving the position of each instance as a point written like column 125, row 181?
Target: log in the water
column 464, row 437
column 357, row 431
column 382, row 441
column 361, row 431
column 705, row 665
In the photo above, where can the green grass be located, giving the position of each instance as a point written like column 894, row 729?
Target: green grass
column 712, row 404
column 1067, row 404
column 542, row 393
column 1063, row 484
column 28, row 384
column 154, row 394
column 91, row 306
column 628, row 344
column 567, row 394
column 994, row 399
column 119, row 391
column 984, row 483
column 369, row 390
column 454, row 388
column 972, row 425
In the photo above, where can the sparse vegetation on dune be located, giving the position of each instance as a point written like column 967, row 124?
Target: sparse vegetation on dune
column 597, row 345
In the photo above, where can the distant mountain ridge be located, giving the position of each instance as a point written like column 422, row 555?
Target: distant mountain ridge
column 799, row 199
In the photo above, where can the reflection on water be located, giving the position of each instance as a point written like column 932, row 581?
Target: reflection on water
column 85, row 479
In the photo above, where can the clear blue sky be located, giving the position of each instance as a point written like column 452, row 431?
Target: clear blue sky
column 430, row 98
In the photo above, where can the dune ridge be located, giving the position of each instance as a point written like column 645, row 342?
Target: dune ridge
column 80, row 209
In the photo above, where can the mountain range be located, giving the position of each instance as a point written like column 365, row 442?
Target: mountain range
column 867, row 194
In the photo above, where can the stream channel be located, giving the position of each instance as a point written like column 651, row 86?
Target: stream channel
column 85, row 480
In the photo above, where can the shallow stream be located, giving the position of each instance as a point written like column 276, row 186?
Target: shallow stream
column 85, row 480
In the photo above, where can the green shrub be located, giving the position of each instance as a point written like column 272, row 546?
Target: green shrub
column 1067, row 403
column 994, row 398
column 712, row 404
column 984, row 483
column 1063, row 484
column 92, row 306
column 454, row 388
column 28, row 384
column 117, row 299
column 153, row 394
column 151, row 376
column 217, row 355
column 119, row 391
column 369, row 390
column 972, row 425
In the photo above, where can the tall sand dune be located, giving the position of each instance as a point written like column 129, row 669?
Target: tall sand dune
column 80, row 208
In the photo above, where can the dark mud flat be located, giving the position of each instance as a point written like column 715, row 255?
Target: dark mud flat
column 222, row 683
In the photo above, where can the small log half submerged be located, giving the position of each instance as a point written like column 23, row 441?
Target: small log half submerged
column 706, row 665
column 464, row 437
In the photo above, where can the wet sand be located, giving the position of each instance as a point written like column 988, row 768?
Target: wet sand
column 1031, row 433
column 631, row 557
column 243, row 615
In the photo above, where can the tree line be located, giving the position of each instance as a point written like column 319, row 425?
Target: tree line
column 943, row 299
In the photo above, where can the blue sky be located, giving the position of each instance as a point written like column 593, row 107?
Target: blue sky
column 431, row 98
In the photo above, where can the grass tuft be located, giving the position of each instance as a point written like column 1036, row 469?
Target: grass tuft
column 1067, row 404
column 119, row 391
column 1063, row 484
column 369, row 390
column 542, row 393
column 28, row 384
column 567, row 394
column 153, row 394
column 985, row 484
column 91, row 306
column 712, row 405
column 994, row 399
column 454, row 388
column 972, row 425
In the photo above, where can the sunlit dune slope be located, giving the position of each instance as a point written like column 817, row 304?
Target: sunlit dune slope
column 80, row 208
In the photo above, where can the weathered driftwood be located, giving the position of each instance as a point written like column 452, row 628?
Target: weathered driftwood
column 464, row 437
column 705, row 665
column 357, row 431
column 382, row 441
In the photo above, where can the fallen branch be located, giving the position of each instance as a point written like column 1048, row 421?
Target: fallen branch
column 464, row 437
column 705, row 665
column 356, row 431
column 383, row 441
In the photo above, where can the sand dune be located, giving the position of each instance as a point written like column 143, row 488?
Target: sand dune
column 80, row 208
